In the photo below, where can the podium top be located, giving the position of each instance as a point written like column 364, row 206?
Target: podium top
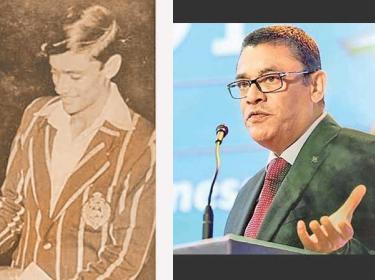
column 237, row 245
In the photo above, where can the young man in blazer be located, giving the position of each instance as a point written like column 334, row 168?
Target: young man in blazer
column 79, row 193
column 314, row 164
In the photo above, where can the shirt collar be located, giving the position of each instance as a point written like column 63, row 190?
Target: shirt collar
column 291, row 153
column 115, row 111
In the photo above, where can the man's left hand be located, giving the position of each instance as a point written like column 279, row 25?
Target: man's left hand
column 332, row 232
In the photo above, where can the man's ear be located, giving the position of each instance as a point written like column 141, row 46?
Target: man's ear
column 318, row 85
column 112, row 66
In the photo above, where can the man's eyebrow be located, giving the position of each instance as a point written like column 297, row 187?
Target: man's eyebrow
column 241, row 76
column 260, row 73
column 268, row 70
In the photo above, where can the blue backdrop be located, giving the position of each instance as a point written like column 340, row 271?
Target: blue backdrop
column 205, row 57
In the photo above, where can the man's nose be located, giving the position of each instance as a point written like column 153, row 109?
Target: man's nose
column 254, row 95
column 62, row 84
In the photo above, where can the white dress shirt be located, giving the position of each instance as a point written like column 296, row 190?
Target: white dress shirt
column 66, row 151
column 291, row 153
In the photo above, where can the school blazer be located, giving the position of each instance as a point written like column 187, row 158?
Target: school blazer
column 331, row 163
column 103, row 225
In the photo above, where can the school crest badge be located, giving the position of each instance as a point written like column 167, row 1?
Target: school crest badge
column 96, row 211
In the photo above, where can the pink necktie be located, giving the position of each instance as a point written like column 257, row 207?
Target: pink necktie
column 276, row 172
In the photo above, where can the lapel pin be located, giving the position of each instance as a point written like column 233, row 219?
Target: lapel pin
column 314, row 159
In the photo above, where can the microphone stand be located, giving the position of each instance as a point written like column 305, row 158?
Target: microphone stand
column 208, row 216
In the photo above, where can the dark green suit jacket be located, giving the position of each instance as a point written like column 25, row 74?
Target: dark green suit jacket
column 331, row 163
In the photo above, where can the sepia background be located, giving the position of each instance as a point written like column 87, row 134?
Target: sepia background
column 25, row 75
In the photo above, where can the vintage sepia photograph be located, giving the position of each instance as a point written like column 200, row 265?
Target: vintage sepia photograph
column 77, row 139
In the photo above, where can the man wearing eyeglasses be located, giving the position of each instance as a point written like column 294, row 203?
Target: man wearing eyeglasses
column 312, row 192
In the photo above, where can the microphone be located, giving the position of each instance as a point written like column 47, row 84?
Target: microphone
column 221, row 132
column 208, row 216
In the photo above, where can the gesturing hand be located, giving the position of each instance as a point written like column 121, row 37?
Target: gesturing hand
column 334, row 231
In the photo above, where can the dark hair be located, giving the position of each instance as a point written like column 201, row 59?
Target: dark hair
column 93, row 29
column 301, row 44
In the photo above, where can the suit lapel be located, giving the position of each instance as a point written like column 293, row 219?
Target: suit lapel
column 94, row 162
column 240, row 214
column 311, row 156
column 41, row 154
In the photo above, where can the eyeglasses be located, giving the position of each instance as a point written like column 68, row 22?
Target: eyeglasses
column 266, row 83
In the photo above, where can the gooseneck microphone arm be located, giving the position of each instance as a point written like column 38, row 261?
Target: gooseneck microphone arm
column 218, row 162
column 208, row 216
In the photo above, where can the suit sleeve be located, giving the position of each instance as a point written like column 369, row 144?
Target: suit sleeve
column 133, row 234
column 11, row 200
column 353, row 247
column 11, row 204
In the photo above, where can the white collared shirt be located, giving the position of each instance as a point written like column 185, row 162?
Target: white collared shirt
column 291, row 153
column 66, row 151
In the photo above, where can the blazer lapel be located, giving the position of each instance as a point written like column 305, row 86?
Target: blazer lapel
column 41, row 155
column 311, row 156
column 94, row 162
column 240, row 215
